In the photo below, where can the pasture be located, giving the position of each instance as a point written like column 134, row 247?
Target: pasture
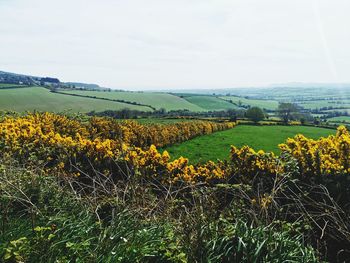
column 210, row 103
column 41, row 99
column 217, row 145
column 157, row 100
column 6, row 86
column 241, row 101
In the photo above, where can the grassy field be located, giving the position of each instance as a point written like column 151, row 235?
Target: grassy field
column 41, row 99
column 340, row 119
column 154, row 99
column 210, row 103
column 316, row 104
column 264, row 104
column 217, row 145
column 5, row 85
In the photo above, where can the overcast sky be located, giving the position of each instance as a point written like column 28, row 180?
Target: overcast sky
column 140, row 44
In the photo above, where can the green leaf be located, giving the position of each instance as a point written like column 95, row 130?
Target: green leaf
column 69, row 244
column 7, row 256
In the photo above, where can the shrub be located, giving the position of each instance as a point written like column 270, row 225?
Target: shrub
column 255, row 114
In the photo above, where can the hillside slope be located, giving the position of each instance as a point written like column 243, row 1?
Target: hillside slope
column 211, row 103
column 155, row 99
column 41, row 99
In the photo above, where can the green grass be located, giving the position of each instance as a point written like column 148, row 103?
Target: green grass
column 264, row 104
column 41, row 99
column 6, row 85
column 154, row 99
column 211, row 103
column 217, row 145
column 340, row 119
column 325, row 103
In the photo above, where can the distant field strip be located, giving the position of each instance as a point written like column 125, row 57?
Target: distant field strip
column 336, row 104
column 11, row 86
column 155, row 99
column 345, row 119
column 210, row 103
column 217, row 145
column 105, row 99
column 41, row 99
column 240, row 101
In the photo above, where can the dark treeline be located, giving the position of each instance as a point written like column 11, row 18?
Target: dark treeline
column 134, row 114
column 330, row 114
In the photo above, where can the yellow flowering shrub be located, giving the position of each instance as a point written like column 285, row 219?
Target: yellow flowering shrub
column 136, row 134
column 247, row 161
column 73, row 147
column 115, row 148
column 326, row 156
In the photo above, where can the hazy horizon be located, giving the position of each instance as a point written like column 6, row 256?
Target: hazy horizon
column 177, row 45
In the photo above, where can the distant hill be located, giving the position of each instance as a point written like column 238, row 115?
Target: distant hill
column 22, row 79
column 13, row 78
column 311, row 85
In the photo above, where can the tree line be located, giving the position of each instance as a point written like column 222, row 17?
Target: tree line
column 286, row 112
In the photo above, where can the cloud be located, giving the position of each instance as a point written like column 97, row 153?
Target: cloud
column 176, row 44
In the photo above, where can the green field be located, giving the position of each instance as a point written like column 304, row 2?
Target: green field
column 345, row 119
column 217, row 145
column 264, row 104
column 5, row 85
column 317, row 104
column 210, row 103
column 155, row 99
column 41, row 99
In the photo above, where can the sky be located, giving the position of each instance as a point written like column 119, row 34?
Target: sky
column 178, row 44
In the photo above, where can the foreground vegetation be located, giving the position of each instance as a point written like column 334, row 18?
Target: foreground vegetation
column 47, row 220
column 216, row 146
column 99, row 191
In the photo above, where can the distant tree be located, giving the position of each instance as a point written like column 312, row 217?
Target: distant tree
column 255, row 114
column 50, row 80
column 125, row 113
column 287, row 111
column 305, row 117
column 232, row 114
column 162, row 111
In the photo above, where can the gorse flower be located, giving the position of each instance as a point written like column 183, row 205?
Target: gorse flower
column 99, row 144
column 326, row 156
column 117, row 148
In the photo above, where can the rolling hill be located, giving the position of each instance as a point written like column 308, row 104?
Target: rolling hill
column 157, row 100
column 41, row 99
column 210, row 103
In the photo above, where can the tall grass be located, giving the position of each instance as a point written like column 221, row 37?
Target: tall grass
column 49, row 219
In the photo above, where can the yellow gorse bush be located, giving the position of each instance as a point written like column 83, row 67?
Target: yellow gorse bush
column 71, row 146
column 136, row 134
column 249, row 162
column 326, row 156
